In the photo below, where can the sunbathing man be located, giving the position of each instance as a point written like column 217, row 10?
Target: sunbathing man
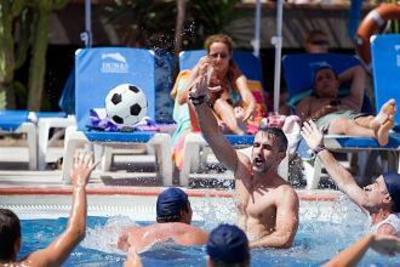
column 174, row 215
column 342, row 115
column 381, row 200
column 268, row 205
column 228, row 246
column 384, row 244
column 225, row 77
column 58, row 251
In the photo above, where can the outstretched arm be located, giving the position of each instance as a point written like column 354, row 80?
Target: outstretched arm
column 209, row 127
column 339, row 174
column 58, row 251
column 388, row 245
column 287, row 221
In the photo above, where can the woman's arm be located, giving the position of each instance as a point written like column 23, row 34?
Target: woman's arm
column 197, row 70
column 247, row 96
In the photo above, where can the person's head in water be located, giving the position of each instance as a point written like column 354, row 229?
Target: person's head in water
column 384, row 193
column 173, row 206
column 220, row 48
column 269, row 149
column 316, row 41
column 326, row 81
column 228, row 246
column 10, row 235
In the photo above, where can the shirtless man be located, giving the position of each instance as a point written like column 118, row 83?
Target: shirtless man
column 342, row 115
column 381, row 200
column 174, row 215
column 58, row 251
column 268, row 205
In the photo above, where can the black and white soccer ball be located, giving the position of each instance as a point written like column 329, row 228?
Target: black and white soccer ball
column 126, row 104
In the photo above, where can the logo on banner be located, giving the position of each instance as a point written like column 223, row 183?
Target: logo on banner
column 114, row 63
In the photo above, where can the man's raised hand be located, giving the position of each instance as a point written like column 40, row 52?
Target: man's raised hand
column 312, row 134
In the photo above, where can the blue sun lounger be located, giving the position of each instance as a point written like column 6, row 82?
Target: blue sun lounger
column 98, row 70
column 298, row 70
column 21, row 121
column 194, row 142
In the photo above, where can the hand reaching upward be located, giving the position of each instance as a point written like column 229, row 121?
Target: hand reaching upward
column 312, row 134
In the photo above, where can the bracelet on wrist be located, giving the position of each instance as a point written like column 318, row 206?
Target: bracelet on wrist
column 198, row 100
column 318, row 149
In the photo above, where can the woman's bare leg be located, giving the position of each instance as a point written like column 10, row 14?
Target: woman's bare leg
column 225, row 111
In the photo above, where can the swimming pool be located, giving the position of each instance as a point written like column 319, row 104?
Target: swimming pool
column 325, row 228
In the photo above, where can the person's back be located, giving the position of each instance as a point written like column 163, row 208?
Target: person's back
column 178, row 232
column 174, row 215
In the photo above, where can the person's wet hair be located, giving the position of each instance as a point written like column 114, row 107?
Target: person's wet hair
column 275, row 133
column 170, row 203
column 10, row 232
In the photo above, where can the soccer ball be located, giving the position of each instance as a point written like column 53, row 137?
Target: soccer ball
column 126, row 104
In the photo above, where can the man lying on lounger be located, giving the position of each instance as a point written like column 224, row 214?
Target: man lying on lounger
column 342, row 115
column 381, row 200
column 268, row 205
column 58, row 251
column 174, row 215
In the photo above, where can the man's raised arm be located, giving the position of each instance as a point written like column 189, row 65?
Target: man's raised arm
column 339, row 174
column 59, row 250
column 209, row 127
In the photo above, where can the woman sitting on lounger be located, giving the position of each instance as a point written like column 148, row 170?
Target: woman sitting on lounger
column 225, row 77
column 342, row 115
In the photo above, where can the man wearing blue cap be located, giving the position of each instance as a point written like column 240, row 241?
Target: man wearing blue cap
column 381, row 200
column 174, row 215
column 342, row 115
column 228, row 246
column 268, row 205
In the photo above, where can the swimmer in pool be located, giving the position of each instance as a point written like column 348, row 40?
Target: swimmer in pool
column 228, row 246
column 268, row 205
column 381, row 200
column 174, row 215
column 58, row 251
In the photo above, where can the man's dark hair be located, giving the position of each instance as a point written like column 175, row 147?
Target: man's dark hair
column 10, row 232
column 278, row 134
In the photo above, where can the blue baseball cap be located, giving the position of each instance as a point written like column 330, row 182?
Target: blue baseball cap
column 392, row 181
column 229, row 244
column 170, row 202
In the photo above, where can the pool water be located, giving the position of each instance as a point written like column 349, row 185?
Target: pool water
column 315, row 242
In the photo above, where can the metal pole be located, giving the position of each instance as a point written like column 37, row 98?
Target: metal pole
column 277, row 42
column 86, row 36
column 257, row 30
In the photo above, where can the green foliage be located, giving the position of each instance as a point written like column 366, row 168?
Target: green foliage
column 151, row 23
column 143, row 23
column 208, row 17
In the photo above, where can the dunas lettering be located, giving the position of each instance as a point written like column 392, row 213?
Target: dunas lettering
column 114, row 63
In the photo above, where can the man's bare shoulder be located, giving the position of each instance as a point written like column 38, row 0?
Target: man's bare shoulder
column 287, row 191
